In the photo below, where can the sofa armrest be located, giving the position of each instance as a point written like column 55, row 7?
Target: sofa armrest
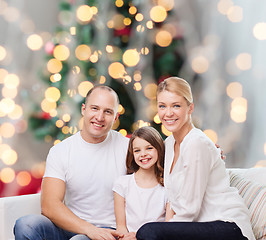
column 12, row 208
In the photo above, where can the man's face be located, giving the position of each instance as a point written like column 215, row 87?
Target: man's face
column 99, row 112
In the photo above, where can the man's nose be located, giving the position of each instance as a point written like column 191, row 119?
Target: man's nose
column 100, row 115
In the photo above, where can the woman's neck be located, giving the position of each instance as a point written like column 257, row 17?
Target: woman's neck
column 179, row 135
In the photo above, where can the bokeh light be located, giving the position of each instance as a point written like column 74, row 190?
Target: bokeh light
column 84, row 14
column 83, row 52
column 52, row 94
column 163, row 38
column 54, row 65
column 234, row 90
column 158, row 14
column 211, row 134
column 7, row 130
column 116, row 70
column 7, row 175
column 61, row 52
column 150, row 91
column 34, row 42
column 200, row 64
column 84, row 87
column 23, row 178
column 131, row 57
column 9, row 157
column 3, row 53
column 259, row 31
column 11, row 81
column 235, row 14
column 244, row 61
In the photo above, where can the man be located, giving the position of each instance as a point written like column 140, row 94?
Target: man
column 77, row 197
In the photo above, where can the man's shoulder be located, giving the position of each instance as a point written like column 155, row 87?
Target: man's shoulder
column 63, row 145
column 117, row 136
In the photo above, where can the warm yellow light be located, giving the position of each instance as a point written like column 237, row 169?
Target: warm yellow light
column 3, row 53
column 53, row 113
column 118, row 21
column 55, row 77
column 52, row 94
column 94, row 10
column 137, row 76
column 83, row 52
column 238, row 110
column 7, row 105
column 54, row 65
column 163, row 38
column 34, row 42
column 38, row 169
column 200, row 64
column 102, row 80
column 234, row 90
column 109, row 48
column 123, row 132
column 158, row 14
column 16, row 113
column 116, row 70
column 48, row 106
column 149, row 25
column 244, row 61
column 265, row 148
column 3, row 74
column 84, row 14
column 84, row 87
column 165, row 131
column 11, row 81
column 65, row 130
column 116, row 124
column 73, row 30
column 9, row 157
column 140, row 28
column 73, row 130
column 150, row 91
column 167, row 4
column 121, row 109
column 94, row 57
column 66, row 117
column 9, row 92
column 224, row 5
column 211, row 134
column 119, row 3
column 235, row 14
column 23, row 178
column 76, row 70
column 127, row 21
column 132, row 10
column 259, row 31
column 139, row 17
column 3, row 148
column 131, row 57
column 7, row 175
column 156, row 119
column 61, row 52
column 127, row 79
column 59, row 123
column 7, row 130
column 137, row 86
column 57, row 141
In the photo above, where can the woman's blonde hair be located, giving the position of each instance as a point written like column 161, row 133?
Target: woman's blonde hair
column 178, row 86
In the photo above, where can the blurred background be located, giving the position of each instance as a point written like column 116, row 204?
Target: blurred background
column 53, row 52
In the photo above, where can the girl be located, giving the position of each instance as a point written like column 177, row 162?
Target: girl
column 203, row 203
column 140, row 196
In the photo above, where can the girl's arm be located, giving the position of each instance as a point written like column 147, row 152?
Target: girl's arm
column 120, row 213
column 169, row 212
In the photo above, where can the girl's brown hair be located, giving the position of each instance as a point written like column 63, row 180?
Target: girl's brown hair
column 152, row 136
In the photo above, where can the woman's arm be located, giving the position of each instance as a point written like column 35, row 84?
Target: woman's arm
column 120, row 213
column 169, row 212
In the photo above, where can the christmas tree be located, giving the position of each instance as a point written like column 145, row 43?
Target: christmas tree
column 127, row 45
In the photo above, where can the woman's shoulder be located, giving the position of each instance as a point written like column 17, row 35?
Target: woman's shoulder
column 197, row 137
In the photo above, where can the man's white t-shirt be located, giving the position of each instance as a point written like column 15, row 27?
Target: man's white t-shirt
column 142, row 205
column 89, row 171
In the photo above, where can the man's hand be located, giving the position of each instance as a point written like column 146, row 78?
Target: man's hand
column 96, row 233
column 129, row 236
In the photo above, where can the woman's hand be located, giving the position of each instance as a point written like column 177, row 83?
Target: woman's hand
column 129, row 236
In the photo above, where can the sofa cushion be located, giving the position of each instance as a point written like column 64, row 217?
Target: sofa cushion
column 254, row 195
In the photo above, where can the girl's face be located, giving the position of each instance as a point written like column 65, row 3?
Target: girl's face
column 145, row 155
column 173, row 111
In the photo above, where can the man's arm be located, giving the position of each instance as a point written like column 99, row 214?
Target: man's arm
column 52, row 206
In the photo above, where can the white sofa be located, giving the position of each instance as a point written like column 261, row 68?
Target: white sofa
column 251, row 184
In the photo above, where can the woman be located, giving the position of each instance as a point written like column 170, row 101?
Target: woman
column 203, row 204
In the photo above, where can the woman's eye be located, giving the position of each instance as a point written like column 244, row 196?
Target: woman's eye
column 161, row 106
column 176, row 106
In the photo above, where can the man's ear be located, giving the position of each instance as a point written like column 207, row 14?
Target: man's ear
column 117, row 116
column 83, row 106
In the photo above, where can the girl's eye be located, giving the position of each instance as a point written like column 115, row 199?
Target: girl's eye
column 136, row 151
column 149, row 148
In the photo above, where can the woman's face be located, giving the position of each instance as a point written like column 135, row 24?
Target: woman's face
column 173, row 110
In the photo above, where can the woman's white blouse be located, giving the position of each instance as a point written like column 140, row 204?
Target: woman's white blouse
column 198, row 187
